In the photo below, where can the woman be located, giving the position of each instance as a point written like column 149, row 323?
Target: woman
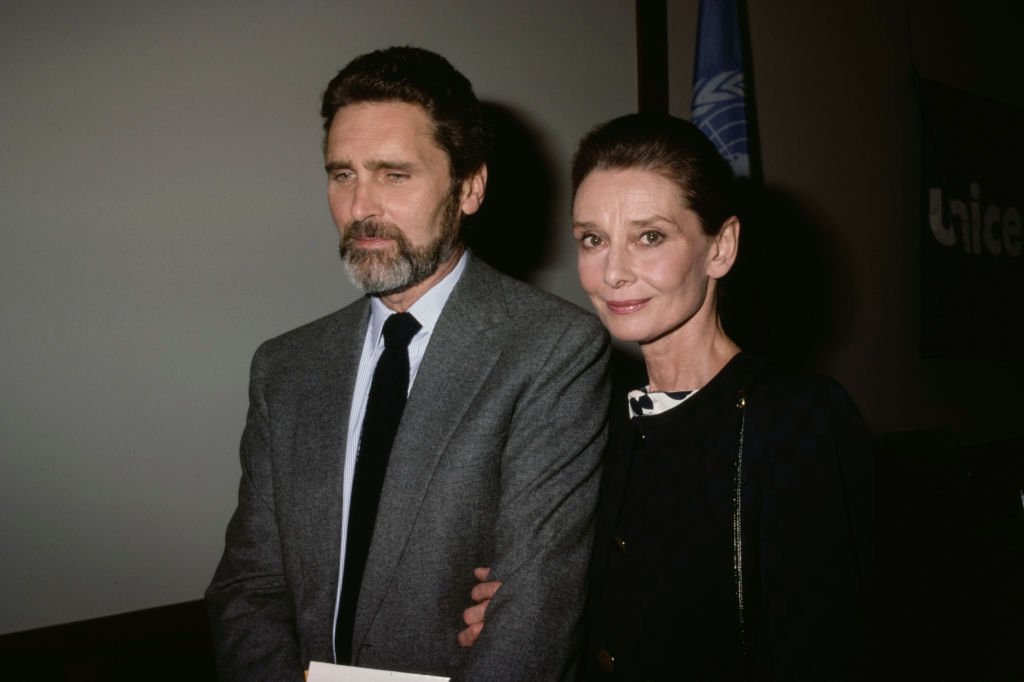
column 732, row 524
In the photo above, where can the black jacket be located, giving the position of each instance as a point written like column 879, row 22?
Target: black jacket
column 668, row 598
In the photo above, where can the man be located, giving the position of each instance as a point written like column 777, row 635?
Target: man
column 355, row 542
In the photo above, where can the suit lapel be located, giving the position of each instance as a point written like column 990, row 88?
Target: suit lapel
column 322, row 430
column 450, row 376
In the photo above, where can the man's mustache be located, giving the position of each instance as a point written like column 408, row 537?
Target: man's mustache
column 371, row 229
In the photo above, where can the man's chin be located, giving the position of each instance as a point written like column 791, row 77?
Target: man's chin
column 375, row 282
column 379, row 273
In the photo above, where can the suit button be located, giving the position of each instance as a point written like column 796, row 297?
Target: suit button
column 620, row 543
column 606, row 660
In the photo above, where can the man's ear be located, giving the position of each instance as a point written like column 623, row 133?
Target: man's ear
column 473, row 189
column 725, row 248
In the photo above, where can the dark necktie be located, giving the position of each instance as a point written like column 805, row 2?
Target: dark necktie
column 383, row 412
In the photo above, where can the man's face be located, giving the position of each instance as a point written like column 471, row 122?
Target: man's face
column 390, row 192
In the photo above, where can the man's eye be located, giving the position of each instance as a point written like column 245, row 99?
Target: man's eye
column 398, row 177
column 589, row 241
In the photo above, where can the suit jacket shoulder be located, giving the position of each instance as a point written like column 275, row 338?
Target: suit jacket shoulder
column 485, row 287
column 315, row 342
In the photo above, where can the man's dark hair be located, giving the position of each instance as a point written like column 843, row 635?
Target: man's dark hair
column 417, row 76
column 669, row 146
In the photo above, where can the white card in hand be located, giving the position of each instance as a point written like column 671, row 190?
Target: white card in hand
column 326, row 672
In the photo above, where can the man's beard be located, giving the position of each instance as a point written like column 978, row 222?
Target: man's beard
column 384, row 272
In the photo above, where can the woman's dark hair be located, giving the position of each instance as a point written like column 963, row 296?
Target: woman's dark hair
column 417, row 76
column 669, row 146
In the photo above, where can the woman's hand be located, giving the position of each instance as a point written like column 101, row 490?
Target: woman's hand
column 482, row 594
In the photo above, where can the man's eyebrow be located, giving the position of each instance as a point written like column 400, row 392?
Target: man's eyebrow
column 372, row 165
column 332, row 166
column 383, row 164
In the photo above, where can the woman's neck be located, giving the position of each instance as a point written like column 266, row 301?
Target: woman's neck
column 688, row 358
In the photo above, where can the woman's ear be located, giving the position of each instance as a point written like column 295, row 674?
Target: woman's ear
column 725, row 247
column 473, row 190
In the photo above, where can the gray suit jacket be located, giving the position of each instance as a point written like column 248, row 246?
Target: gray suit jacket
column 496, row 463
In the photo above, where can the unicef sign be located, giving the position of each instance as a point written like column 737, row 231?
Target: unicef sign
column 981, row 229
column 971, row 237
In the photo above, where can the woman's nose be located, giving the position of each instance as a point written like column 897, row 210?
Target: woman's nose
column 618, row 269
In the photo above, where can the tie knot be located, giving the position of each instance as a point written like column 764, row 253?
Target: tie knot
column 399, row 330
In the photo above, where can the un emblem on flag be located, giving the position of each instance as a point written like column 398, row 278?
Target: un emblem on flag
column 719, row 110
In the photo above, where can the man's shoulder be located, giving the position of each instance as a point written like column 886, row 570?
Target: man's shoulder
column 524, row 302
column 322, row 333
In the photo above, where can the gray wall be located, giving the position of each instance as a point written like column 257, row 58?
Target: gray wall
column 162, row 211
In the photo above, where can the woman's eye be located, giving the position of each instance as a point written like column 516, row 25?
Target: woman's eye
column 651, row 238
column 589, row 241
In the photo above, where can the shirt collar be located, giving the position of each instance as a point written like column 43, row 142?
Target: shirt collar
column 644, row 402
column 427, row 308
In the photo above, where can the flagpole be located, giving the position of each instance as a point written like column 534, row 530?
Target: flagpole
column 652, row 56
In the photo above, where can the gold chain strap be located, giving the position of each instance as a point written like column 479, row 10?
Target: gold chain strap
column 737, row 520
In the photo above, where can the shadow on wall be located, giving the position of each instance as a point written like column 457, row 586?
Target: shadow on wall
column 513, row 231
column 790, row 294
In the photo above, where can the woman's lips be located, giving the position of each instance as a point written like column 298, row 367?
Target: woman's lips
column 626, row 307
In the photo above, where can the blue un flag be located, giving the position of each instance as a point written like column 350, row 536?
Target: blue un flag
column 719, row 92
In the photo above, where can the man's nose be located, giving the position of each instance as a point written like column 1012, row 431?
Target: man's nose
column 365, row 201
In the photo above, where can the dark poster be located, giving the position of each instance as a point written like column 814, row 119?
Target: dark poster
column 972, row 265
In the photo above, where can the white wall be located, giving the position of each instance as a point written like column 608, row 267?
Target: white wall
column 162, row 212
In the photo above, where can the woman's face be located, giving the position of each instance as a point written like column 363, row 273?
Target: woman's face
column 643, row 258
